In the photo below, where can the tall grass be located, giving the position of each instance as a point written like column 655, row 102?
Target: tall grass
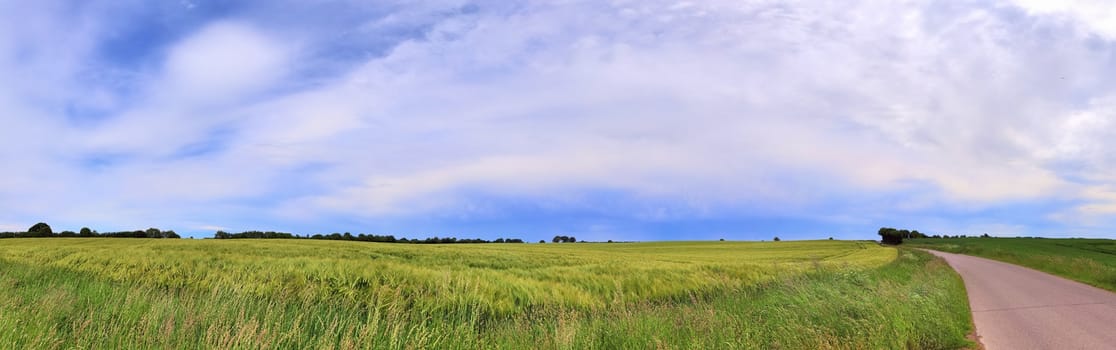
column 915, row 302
column 1091, row 261
column 98, row 293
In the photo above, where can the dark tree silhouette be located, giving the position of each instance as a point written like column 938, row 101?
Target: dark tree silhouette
column 40, row 230
column 891, row 236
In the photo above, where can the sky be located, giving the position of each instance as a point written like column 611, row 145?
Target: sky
column 601, row 119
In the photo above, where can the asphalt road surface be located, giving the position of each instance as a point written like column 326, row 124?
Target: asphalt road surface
column 1017, row 308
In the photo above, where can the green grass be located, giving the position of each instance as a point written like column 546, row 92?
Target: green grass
column 1091, row 261
column 106, row 293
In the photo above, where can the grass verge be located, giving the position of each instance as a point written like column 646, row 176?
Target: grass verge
column 1090, row 261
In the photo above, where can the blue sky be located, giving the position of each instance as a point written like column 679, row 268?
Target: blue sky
column 623, row 120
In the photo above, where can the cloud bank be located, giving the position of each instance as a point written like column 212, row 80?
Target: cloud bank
column 610, row 120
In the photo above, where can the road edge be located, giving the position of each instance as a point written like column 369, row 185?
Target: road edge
column 972, row 336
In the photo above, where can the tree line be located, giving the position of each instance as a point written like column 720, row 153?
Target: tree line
column 42, row 229
column 895, row 236
column 360, row 237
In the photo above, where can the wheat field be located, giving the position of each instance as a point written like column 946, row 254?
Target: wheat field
column 125, row 293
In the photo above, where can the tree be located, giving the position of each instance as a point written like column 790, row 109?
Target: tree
column 153, row 233
column 542, row 241
column 777, row 239
column 573, row 239
column 40, row 230
column 891, row 236
column 86, row 232
column 831, row 238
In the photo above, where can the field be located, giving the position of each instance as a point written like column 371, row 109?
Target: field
column 1091, row 261
column 138, row 293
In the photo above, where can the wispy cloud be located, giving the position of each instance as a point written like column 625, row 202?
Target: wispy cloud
column 683, row 119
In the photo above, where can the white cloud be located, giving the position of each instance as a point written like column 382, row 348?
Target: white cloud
column 1096, row 17
column 718, row 105
column 224, row 60
column 212, row 228
column 550, row 100
column 207, row 82
column 13, row 228
column 763, row 106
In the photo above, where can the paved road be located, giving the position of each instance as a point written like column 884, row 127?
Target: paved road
column 1017, row 308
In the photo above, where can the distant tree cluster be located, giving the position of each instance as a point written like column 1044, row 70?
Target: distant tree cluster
column 254, row 234
column 960, row 236
column 149, row 233
column 895, row 236
column 360, row 237
column 564, row 239
column 43, row 230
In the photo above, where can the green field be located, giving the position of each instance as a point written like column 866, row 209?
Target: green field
column 1091, row 261
column 138, row 293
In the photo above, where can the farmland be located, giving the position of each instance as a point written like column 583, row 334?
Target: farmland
column 1091, row 261
column 106, row 293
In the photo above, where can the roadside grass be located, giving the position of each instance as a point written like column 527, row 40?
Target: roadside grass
column 789, row 295
column 1090, row 261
